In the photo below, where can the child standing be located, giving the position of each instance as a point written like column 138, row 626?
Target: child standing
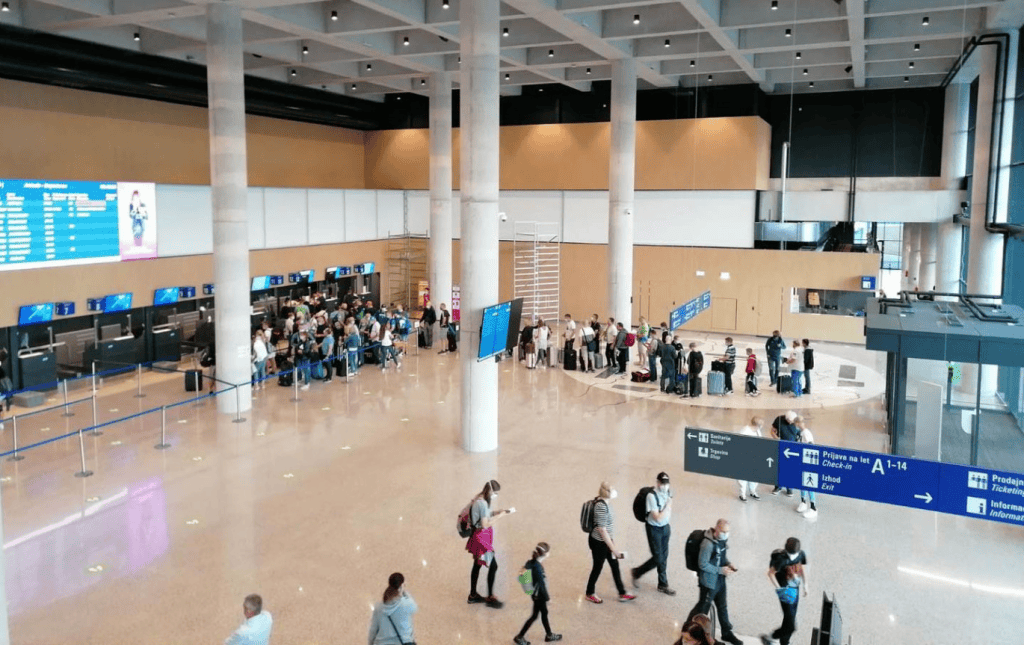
column 751, row 372
column 540, row 596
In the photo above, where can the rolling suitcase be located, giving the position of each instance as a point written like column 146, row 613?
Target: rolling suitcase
column 570, row 359
column 193, row 380
column 716, row 383
column 698, row 385
column 784, row 384
column 552, row 357
column 599, row 361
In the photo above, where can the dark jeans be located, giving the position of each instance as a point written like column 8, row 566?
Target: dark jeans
column 717, row 596
column 652, row 366
column 751, row 383
column 474, row 576
column 328, row 364
column 428, row 335
column 668, row 373
column 600, row 552
column 783, row 633
column 807, row 381
column 623, row 357
column 692, row 380
column 729, row 369
column 657, row 539
column 540, row 608
column 773, row 368
column 609, row 354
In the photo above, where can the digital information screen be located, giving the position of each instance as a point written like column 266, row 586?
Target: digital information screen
column 117, row 302
column 494, row 330
column 261, row 283
column 167, row 296
column 48, row 223
column 35, row 314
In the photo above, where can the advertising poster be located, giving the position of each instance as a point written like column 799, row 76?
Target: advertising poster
column 136, row 220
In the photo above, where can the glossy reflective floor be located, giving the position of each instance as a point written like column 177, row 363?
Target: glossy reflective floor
column 313, row 504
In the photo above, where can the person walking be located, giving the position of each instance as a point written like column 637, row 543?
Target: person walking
column 808, row 497
column 540, row 596
column 542, row 338
column 602, row 545
column 787, row 571
column 773, row 351
column 752, row 429
column 713, row 568
column 481, row 543
column 669, row 356
column 391, row 623
column 729, row 358
column 796, row 366
column 783, row 429
column 808, row 364
column 658, row 529
column 751, row 371
column 694, row 366
column 257, row 626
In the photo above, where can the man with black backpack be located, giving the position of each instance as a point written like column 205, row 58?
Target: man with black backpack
column 713, row 567
column 653, row 507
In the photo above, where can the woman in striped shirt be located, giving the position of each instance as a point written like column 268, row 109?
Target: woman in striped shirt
column 602, row 546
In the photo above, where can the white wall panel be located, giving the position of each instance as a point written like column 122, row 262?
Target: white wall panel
column 419, row 212
column 326, row 216
column 257, row 225
column 817, row 206
column 586, row 217
column 390, row 213
column 723, row 218
column 360, row 215
column 528, row 206
column 286, row 217
column 185, row 224
column 908, row 206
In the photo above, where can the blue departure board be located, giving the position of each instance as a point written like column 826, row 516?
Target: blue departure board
column 494, row 330
column 54, row 223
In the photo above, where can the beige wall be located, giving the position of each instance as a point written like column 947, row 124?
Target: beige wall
column 693, row 154
column 145, row 276
column 58, row 133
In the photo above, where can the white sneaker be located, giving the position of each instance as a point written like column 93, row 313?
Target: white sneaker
column 803, row 507
column 304, row 387
column 811, row 514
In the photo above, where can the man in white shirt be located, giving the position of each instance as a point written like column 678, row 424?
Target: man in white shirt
column 796, row 367
column 256, row 628
column 570, row 332
column 753, row 429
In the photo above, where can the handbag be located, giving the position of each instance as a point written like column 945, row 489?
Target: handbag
column 787, row 595
column 399, row 636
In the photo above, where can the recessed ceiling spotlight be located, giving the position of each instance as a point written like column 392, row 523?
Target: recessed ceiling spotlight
column 789, row 33
column 541, row 89
column 805, row 71
column 910, row 64
column 775, row 5
column 811, row 84
column 504, row 32
column 294, row 73
column 636, row 19
column 588, row 70
column 551, row 53
column 136, row 37
column 799, row 55
column 5, row 7
column 423, row 81
column 917, row 47
column 369, row 66
column 444, row 4
column 925, row 21
column 668, row 43
column 710, row 78
column 405, row 41
column 305, row 50
column 906, row 79
column 353, row 86
column 507, row 77
column 693, row 63
column 334, row 15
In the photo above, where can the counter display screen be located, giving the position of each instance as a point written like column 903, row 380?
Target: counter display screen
column 35, row 314
column 117, row 302
column 167, row 296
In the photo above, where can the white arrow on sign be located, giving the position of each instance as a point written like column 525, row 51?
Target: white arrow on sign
column 770, row 460
column 790, row 453
column 927, row 497
column 690, row 435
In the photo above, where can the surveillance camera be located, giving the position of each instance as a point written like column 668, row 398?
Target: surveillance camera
column 503, row 217
column 629, row 211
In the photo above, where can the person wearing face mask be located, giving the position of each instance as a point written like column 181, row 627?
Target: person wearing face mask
column 787, row 571
column 659, row 513
column 540, row 596
column 602, row 546
column 713, row 568
column 481, row 543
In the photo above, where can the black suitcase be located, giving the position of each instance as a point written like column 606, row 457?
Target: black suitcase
column 570, row 359
column 422, row 338
column 193, row 380
column 784, row 384
column 699, row 383
column 717, row 366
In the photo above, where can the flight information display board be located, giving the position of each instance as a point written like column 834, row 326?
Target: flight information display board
column 54, row 223
column 494, row 330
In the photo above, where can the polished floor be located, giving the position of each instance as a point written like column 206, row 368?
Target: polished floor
column 313, row 504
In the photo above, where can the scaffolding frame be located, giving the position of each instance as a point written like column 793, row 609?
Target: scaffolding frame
column 537, row 271
column 407, row 266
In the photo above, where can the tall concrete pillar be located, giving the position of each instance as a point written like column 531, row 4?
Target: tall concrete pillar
column 929, row 252
column 441, row 188
column 228, row 185
column 948, row 257
column 479, row 31
column 911, row 255
column 949, row 235
column 621, row 185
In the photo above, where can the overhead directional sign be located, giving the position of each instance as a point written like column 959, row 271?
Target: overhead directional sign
column 968, row 491
column 689, row 310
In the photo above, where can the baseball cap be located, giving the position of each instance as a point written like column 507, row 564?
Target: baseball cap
column 663, row 477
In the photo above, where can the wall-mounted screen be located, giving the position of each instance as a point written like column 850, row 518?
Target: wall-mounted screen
column 186, row 292
column 344, row 271
column 276, row 280
column 54, row 223
column 168, row 296
column 366, row 268
column 261, row 283
column 331, row 273
column 94, row 304
column 868, row 282
column 494, row 330
column 117, row 302
column 307, row 276
column 65, row 309
column 35, row 314
column 207, row 289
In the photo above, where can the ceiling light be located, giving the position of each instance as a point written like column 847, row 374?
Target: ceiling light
column 789, row 33
column 710, row 78
column 353, row 86
column 444, row 4
column 504, row 32
column 906, row 79
column 668, row 43
column 507, row 77
column 369, row 66
column 693, row 63
column 423, row 81
column 551, row 53
column 799, row 55
column 775, row 5
column 541, row 89
column 812, row 84
column 137, row 37
column 636, row 19
column 925, row 21
column 917, row 47
column 910, row 64
column 334, row 15
column 398, row 98
column 305, row 50
column 5, row 7
column 588, row 70
column 805, row 71
column 405, row 41
column 294, row 73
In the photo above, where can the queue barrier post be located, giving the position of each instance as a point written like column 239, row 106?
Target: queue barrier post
column 81, row 445
column 96, row 432
column 138, row 393
column 163, row 445
column 15, row 456
column 238, row 405
column 67, row 408
column 295, row 382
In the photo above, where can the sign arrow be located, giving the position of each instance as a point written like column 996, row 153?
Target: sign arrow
column 790, row 453
column 690, row 435
column 770, row 460
column 927, row 497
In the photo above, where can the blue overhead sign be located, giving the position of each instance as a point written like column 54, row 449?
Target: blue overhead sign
column 689, row 310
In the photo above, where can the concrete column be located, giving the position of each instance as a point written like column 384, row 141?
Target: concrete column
column 479, row 31
column 929, row 252
column 949, row 235
column 949, row 253
column 228, row 185
column 912, row 255
column 441, row 188
column 621, row 184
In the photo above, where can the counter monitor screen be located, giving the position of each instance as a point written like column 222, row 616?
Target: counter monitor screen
column 207, row 289
column 186, row 292
column 117, row 302
column 35, row 314
column 261, row 283
column 168, row 296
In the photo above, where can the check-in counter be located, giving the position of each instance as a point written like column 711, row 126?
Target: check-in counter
column 38, row 368
column 166, row 344
column 115, row 353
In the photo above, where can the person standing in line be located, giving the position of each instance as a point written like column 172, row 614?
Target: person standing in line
column 713, row 569
column 808, row 498
column 787, row 571
column 257, row 626
column 259, row 360
column 541, row 596
column 583, row 354
column 694, row 366
column 796, row 366
column 602, row 545
column 542, row 336
column 643, row 333
column 391, row 623
column 621, row 349
column 652, row 347
column 481, row 543
column 808, row 365
column 751, row 371
column 730, row 364
column 669, row 356
column 595, row 324
column 352, row 340
column 569, row 334
column 611, row 332
column 327, row 355
column 445, row 328
column 588, row 345
column 773, row 351
column 427, row 320
column 753, row 429
column 658, row 529
column 783, row 429
column 303, row 349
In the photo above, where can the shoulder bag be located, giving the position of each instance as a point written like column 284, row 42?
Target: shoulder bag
column 398, row 635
